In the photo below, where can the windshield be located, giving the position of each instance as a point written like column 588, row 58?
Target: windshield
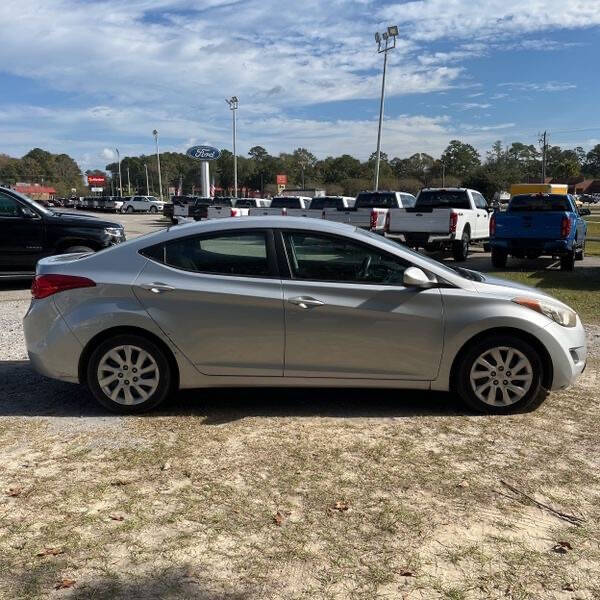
column 327, row 202
column 539, row 202
column 436, row 263
column 39, row 207
column 442, row 199
column 286, row 202
column 376, row 200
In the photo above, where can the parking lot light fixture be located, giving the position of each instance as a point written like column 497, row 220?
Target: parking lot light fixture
column 233, row 106
column 155, row 134
column 385, row 42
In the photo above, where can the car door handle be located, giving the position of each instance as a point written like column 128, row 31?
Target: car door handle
column 157, row 288
column 305, row 302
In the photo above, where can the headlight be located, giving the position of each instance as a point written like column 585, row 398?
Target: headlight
column 114, row 231
column 561, row 314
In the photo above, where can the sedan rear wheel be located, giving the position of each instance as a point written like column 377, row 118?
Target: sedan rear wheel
column 129, row 374
column 501, row 375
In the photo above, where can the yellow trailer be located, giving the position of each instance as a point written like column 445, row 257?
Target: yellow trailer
column 539, row 188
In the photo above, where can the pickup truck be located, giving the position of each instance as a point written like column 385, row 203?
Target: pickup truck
column 448, row 218
column 370, row 209
column 240, row 209
column 539, row 225
column 293, row 206
column 149, row 204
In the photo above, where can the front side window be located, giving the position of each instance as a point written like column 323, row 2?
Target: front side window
column 9, row 207
column 329, row 258
column 223, row 254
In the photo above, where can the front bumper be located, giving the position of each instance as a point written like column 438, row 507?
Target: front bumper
column 567, row 347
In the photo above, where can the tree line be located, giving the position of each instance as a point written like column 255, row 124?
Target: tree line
column 459, row 164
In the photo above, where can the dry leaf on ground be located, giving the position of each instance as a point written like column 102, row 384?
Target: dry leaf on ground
column 64, row 583
column 278, row 519
column 49, row 551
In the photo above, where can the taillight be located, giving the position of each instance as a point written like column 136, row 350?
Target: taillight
column 234, row 212
column 46, row 285
column 453, row 222
column 373, row 219
column 386, row 227
column 565, row 227
column 493, row 225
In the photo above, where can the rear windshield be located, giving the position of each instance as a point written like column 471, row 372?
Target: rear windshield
column 376, row 200
column 283, row 202
column 245, row 203
column 327, row 202
column 221, row 202
column 539, row 202
column 442, row 199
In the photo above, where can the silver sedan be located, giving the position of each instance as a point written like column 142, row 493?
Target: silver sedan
column 280, row 301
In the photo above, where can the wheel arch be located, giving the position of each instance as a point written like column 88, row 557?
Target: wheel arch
column 65, row 243
column 548, row 374
column 123, row 330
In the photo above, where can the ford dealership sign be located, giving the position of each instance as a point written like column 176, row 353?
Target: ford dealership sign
column 203, row 153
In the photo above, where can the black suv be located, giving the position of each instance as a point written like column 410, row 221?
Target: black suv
column 30, row 231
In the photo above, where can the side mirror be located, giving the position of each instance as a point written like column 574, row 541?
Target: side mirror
column 415, row 277
column 584, row 212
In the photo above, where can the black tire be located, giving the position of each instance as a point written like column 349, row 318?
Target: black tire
column 487, row 246
column 580, row 255
column 165, row 374
column 153, row 210
column 73, row 249
column 534, row 396
column 499, row 258
column 129, row 209
column 567, row 262
column 460, row 248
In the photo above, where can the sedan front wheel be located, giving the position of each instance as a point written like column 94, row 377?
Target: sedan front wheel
column 129, row 374
column 501, row 375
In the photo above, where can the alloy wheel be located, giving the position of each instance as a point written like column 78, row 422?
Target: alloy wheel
column 501, row 376
column 128, row 375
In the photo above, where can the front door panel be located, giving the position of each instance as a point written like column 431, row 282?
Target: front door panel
column 363, row 331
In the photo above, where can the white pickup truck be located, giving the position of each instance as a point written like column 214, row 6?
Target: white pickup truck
column 370, row 209
column 293, row 206
column 142, row 204
column 241, row 208
column 448, row 218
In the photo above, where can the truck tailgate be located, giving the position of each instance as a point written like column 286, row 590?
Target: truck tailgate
column 358, row 218
column 529, row 225
column 402, row 220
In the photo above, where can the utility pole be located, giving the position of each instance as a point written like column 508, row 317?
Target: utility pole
column 443, row 175
column 128, row 183
column 543, row 141
column 382, row 39
column 120, row 179
column 155, row 134
column 147, row 182
column 233, row 106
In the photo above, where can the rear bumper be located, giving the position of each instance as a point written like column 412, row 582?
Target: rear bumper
column 53, row 349
column 421, row 239
column 546, row 247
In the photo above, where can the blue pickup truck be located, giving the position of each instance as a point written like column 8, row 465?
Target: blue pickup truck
column 538, row 225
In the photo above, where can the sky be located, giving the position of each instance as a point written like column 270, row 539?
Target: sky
column 86, row 76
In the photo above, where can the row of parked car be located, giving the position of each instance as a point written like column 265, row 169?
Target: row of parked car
column 437, row 219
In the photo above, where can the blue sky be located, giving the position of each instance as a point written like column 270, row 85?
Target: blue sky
column 86, row 76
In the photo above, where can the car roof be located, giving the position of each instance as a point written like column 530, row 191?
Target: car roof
column 265, row 221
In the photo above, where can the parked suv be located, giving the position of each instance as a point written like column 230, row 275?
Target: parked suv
column 142, row 204
column 30, row 231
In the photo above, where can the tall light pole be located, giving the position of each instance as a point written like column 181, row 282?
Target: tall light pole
column 147, row 182
column 128, row 183
column 155, row 134
column 383, row 46
column 120, row 180
column 443, row 174
column 233, row 106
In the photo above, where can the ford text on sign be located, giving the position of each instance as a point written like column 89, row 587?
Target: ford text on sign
column 203, row 152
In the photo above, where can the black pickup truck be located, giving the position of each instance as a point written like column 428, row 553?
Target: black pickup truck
column 30, row 231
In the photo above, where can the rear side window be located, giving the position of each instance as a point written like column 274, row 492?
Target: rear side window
column 480, row 201
column 8, row 207
column 408, row 200
column 283, row 202
column 376, row 200
column 443, row 199
column 224, row 254
column 539, row 203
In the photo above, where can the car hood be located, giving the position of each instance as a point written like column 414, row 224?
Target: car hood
column 67, row 218
column 510, row 289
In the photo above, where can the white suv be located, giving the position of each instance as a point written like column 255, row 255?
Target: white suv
column 142, row 204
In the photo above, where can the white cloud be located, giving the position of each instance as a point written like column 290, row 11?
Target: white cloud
column 547, row 86
column 107, row 154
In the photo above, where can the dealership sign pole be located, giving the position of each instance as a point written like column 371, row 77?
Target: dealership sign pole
column 204, row 154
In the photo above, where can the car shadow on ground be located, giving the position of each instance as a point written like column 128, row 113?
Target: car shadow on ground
column 24, row 393
column 10, row 285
